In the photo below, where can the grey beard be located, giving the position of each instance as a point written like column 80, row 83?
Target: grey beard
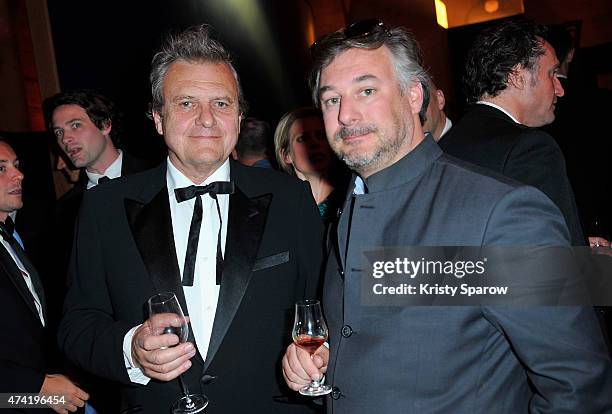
column 363, row 162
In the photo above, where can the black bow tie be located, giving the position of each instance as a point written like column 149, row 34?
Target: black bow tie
column 187, row 193
column 218, row 187
column 103, row 179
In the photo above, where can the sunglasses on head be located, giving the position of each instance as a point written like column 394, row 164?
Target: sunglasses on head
column 357, row 30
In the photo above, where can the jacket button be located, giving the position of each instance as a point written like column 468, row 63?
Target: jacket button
column 346, row 331
column 335, row 394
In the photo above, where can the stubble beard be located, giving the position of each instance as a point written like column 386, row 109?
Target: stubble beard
column 364, row 163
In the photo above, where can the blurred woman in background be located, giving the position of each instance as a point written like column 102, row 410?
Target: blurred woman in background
column 302, row 150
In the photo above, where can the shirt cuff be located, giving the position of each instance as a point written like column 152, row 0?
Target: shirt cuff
column 135, row 374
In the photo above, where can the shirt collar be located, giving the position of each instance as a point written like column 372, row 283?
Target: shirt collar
column 112, row 171
column 176, row 179
column 499, row 108
column 447, row 126
column 411, row 166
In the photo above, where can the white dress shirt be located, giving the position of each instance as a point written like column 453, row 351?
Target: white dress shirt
column 500, row 108
column 113, row 171
column 26, row 277
column 447, row 126
column 202, row 297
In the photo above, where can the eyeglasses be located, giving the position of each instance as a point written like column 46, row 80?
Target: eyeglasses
column 362, row 29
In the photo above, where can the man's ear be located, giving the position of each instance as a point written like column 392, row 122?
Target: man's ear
column 157, row 119
column 517, row 77
column 441, row 99
column 107, row 127
column 415, row 96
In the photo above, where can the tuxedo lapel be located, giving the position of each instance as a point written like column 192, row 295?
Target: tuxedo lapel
column 150, row 222
column 246, row 222
column 14, row 274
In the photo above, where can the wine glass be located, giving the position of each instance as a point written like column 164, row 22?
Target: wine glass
column 599, row 239
column 166, row 304
column 309, row 333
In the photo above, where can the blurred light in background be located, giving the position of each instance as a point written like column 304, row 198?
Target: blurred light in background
column 455, row 13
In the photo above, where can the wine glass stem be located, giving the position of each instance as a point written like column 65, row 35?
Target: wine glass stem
column 184, row 389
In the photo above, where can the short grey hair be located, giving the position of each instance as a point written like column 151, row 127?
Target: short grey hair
column 193, row 45
column 406, row 57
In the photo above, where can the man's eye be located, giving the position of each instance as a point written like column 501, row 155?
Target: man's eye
column 331, row 101
column 75, row 125
column 186, row 104
column 58, row 133
column 2, row 168
column 368, row 92
column 221, row 104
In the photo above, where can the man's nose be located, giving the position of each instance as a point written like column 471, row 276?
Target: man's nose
column 348, row 113
column 18, row 175
column 206, row 117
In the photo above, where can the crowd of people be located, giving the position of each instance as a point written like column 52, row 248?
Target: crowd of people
column 374, row 162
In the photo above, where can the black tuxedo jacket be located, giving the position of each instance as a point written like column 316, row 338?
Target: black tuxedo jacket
column 124, row 253
column 22, row 348
column 68, row 205
column 487, row 137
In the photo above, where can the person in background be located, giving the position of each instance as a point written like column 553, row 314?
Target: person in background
column 302, row 150
column 87, row 129
column 436, row 122
column 254, row 143
column 511, row 82
column 24, row 324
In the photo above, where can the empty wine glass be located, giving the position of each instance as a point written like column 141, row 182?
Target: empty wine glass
column 161, row 306
column 309, row 333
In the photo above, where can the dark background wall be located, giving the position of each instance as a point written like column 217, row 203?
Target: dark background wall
column 108, row 46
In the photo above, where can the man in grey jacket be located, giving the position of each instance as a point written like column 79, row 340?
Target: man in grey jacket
column 367, row 79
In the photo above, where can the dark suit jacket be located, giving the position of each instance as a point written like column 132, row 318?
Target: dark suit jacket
column 125, row 253
column 22, row 348
column 487, row 137
column 461, row 359
column 68, row 206
column 66, row 213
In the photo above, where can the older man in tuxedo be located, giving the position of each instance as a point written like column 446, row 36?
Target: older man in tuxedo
column 367, row 79
column 23, row 349
column 237, row 246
